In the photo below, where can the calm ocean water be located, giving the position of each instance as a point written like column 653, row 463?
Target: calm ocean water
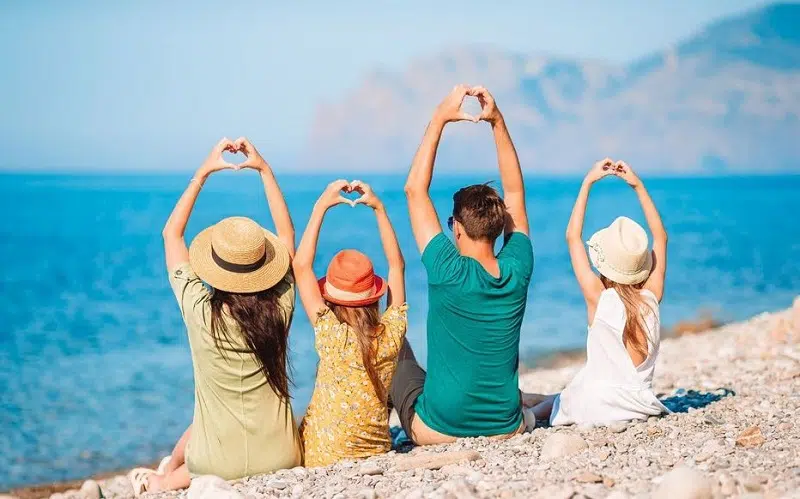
column 95, row 372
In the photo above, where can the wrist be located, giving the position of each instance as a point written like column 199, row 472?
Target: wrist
column 497, row 121
column 262, row 166
column 378, row 207
column 438, row 121
column 202, row 174
column 321, row 207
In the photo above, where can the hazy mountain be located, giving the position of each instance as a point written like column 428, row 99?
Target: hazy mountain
column 725, row 100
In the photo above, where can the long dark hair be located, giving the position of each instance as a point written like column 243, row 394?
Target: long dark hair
column 366, row 322
column 634, row 335
column 264, row 328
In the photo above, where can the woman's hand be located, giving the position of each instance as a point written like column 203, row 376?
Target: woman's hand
column 449, row 109
column 368, row 196
column 253, row 158
column 601, row 169
column 215, row 162
column 489, row 111
column 626, row 173
column 332, row 195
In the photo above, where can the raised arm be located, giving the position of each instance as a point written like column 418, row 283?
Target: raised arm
column 588, row 281
column 394, row 257
column 303, row 262
column 275, row 199
column 654, row 283
column 424, row 221
column 507, row 161
column 175, row 248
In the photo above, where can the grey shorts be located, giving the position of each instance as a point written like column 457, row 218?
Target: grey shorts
column 407, row 384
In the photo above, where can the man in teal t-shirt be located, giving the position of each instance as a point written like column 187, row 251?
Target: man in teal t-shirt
column 476, row 299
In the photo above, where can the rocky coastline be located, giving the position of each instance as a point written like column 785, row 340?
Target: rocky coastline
column 747, row 444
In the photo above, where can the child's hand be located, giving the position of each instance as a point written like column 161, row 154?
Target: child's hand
column 602, row 168
column 332, row 195
column 368, row 196
column 626, row 173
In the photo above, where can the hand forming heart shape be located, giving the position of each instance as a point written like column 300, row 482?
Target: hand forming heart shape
column 450, row 108
column 356, row 192
column 368, row 196
column 234, row 150
column 338, row 191
column 216, row 161
column 349, row 194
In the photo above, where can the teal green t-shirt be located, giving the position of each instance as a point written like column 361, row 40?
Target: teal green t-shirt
column 472, row 385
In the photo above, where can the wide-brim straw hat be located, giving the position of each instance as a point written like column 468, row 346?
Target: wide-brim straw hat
column 351, row 280
column 239, row 256
column 621, row 252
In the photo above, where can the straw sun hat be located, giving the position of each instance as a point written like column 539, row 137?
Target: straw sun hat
column 239, row 256
column 621, row 252
column 351, row 280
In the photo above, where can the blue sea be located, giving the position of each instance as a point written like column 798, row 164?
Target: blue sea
column 95, row 372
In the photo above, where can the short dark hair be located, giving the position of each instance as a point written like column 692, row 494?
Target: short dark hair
column 481, row 211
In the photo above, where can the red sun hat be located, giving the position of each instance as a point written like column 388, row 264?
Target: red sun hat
column 351, row 280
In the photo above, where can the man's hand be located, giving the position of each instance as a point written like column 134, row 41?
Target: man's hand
column 489, row 111
column 450, row 108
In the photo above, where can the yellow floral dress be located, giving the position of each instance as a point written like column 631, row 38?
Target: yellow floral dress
column 345, row 419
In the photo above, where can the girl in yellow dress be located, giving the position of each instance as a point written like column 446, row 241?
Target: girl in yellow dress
column 348, row 417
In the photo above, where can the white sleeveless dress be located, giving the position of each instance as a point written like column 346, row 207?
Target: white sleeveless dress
column 609, row 387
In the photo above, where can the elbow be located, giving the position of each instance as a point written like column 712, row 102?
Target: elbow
column 169, row 233
column 573, row 236
column 412, row 190
column 301, row 263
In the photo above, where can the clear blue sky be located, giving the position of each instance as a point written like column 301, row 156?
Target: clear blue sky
column 141, row 84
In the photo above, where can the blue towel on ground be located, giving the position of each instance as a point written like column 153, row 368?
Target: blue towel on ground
column 682, row 400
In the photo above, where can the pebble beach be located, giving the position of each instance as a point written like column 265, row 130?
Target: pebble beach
column 744, row 445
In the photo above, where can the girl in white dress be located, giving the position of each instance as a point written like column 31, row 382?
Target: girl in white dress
column 622, row 306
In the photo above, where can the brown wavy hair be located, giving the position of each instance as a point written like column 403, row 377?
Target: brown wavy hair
column 634, row 335
column 366, row 322
column 264, row 328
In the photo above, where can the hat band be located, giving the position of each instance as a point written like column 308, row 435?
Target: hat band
column 343, row 295
column 238, row 268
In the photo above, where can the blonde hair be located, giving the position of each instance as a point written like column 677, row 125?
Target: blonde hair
column 366, row 322
column 635, row 333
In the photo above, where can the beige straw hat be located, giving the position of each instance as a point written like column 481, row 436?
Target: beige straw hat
column 239, row 256
column 621, row 252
